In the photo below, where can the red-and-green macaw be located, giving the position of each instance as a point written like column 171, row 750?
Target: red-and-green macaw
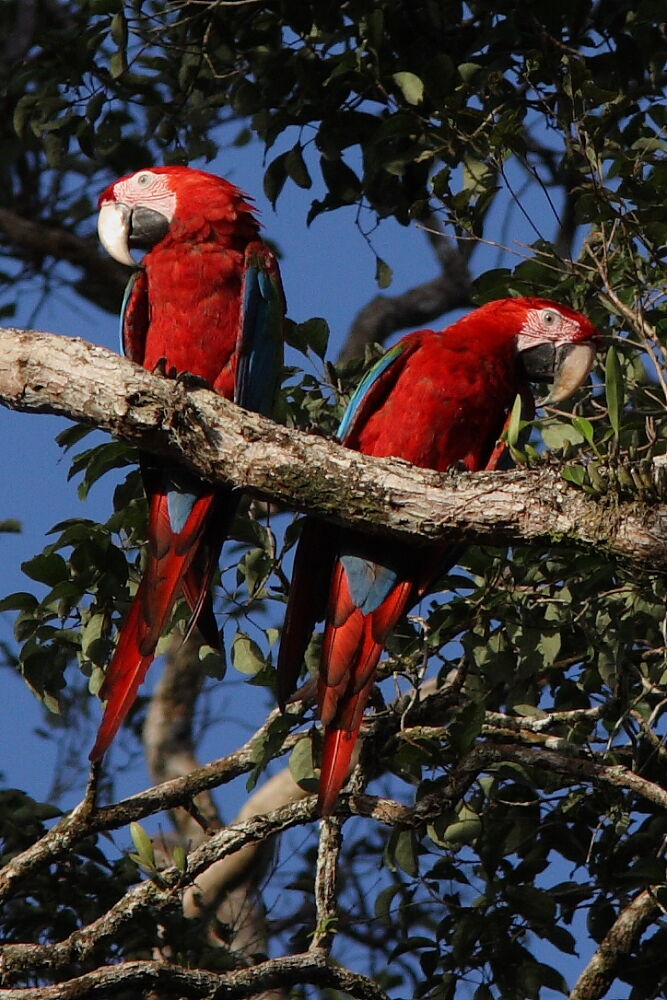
column 435, row 399
column 206, row 301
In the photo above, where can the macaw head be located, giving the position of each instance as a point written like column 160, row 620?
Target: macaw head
column 138, row 211
column 554, row 343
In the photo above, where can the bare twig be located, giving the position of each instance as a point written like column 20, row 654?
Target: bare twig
column 84, row 821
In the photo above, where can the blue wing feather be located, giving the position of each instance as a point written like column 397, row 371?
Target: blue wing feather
column 260, row 336
column 367, row 383
column 134, row 317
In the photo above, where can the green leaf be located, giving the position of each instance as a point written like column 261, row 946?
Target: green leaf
column 383, row 273
column 383, row 911
column 180, row 859
column 21, row 601
column 143, row 845
column 558, row 434
column 275, row 177
column 575, row 474
column 343, row 184
column 117, row 64
column 465, row 830
column 213, row 661
column 468, row 70
column 23, row 111
column 296, row 168
column 401, row 852
column 315, row 333
column 246, row 655
column 549, row 646
column 514, row 426
column 466, row 726
column 119, row 29
column 614, row 389
column 411, row 87
column 302, row 765
column 530, row 711
column 49, row 568
column 585, row 428
column 93, row 630
column 72, row 435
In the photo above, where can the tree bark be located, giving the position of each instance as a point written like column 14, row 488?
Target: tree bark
column 43, row 373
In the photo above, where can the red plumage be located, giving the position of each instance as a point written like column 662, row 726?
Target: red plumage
column 436, row 399
column 208, row 292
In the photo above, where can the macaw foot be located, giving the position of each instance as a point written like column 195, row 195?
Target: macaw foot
column 160, row 367
column 187, row 379
column 190, row 381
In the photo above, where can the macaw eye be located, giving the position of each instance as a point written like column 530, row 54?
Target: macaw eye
column 143, row 180
column 550, row 319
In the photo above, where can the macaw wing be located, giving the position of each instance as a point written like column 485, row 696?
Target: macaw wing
column 374, row 387
column 259, row 344
column 134, row 317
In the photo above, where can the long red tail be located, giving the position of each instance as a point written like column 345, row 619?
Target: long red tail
column 352, row 648
column 337, row 752
column 170, row 556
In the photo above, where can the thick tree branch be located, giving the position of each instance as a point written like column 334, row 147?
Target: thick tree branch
column 43, row 373
column 622, row 937
column 110, row 980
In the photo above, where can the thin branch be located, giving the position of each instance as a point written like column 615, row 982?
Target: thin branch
column 23, row 957
column 156, row 895
column 43, row 373
column 328, row 853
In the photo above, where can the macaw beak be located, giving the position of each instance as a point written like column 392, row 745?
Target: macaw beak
column 120, row 227
column 567, row 366
column 573, row 362
column 113, row 229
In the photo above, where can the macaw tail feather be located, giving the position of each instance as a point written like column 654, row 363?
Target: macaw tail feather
column 124, row 675
column 351, row 654
column 198, row 577
column 171, row 555
column 339, row 746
